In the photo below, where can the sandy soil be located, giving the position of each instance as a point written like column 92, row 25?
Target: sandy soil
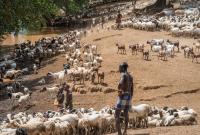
column 178, row 77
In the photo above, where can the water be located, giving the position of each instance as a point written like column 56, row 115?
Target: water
column 24, row 35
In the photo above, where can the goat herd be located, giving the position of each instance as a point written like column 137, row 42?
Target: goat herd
column 83, row 63
column 163, row 48
column 178, row 23
column 88, row 121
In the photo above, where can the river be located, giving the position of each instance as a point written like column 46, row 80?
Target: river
column 10, row 39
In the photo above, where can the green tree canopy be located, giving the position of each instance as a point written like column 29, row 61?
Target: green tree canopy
column 71, row 6
column 18, row 14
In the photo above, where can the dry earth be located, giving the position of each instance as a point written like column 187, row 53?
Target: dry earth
column 177, row 80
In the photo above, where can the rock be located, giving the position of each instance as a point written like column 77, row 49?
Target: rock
column 95, row 89
column 77, row 88
column 109, row 90
column 82, row 91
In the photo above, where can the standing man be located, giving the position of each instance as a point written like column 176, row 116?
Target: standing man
column 119, row 19
column 60, row 97
column 125, row 94
column 68, row 102
column 102, row 21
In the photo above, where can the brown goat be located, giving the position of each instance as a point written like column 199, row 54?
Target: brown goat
column 145, row 55
column 162, row 55
column 121, row 48
column 140, row 47
column 195, row 56
column 133, row 49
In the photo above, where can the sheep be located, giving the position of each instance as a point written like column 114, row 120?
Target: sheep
column 8, row 131
column 154, row 123
column 86, row 48
column 49, row 127
column 139, row 113
column 121, row 48
column 94, row 49
column 72, row 119
column 168, row 119
column 33, row 127
column 99, row 59
column 108, row 122
column 90, row 121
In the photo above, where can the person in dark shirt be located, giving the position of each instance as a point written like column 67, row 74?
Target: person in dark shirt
column 60, row 97
column 68, row 102
column 119, row 19
column 102, row 22
column 125, row 94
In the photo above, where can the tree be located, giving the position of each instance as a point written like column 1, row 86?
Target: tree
column 71, row 6
column 16, row 15
column 24, row 14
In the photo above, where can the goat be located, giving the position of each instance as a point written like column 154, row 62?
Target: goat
column 195, row 56
column 145, row 55
column 133, row 49
column 51, row 90
column 14, row 96
column 163, row 55
column 187, row 52
column 25, row 89
column 175, row 43
column 35, row 69
column 59, row 76
column 121, row 48
column 25, row 98
column 197, row 47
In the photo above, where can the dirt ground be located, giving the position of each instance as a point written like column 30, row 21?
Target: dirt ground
column 178, row 79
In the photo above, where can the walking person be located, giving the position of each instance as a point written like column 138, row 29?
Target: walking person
column 119, row 19
column 60, row 97
column 125, row 94
column 68, row 101
column 102, row 21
